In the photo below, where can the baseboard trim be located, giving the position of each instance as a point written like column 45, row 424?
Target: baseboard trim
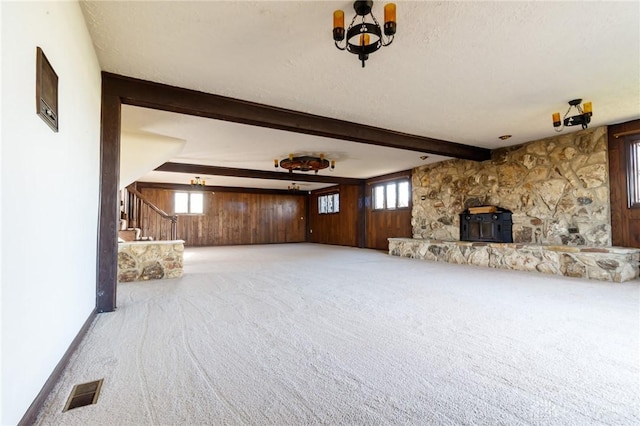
column 30, row 416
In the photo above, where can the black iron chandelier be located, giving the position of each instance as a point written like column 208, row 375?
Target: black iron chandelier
column 364, row 37
column 197, row 182
column 582, row 119
column 305, row 163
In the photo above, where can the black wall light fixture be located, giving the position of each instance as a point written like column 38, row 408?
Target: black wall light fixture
column 582, row 119
column 365, row 37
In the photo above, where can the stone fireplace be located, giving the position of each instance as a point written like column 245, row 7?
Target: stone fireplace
column 556, row 194
column 556, row 188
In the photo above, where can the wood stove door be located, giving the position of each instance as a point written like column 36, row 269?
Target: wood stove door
column 480, row 230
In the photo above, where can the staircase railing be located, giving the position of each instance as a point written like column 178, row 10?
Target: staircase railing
column 152, row 221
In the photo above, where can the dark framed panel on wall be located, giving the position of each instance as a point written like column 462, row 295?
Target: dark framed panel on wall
column 46, row 90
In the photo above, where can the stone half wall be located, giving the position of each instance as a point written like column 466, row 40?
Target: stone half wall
column 557, row 189
column 150, row 260
column 615, row 264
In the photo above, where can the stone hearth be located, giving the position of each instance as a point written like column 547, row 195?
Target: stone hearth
column 615, row 264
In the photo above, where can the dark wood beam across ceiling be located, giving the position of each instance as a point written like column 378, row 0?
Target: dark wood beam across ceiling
column 175, row 99
column 200, row 170
column 211, row 188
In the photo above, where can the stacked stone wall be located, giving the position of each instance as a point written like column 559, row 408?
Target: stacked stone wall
column 557, row 189
column 150, row 260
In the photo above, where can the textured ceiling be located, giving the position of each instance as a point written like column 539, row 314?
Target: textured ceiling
column 466, row 72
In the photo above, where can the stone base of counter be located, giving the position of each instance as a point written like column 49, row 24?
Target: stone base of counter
column 617, row 264
column 150, row 260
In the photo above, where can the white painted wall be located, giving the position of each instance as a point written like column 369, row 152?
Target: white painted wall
column 49, row 191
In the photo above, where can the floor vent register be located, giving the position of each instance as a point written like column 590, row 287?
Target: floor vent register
column 83, row 394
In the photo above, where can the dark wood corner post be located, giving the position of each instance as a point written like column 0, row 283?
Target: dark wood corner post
column 307, row 217
column 108, row 213
column 362, row 215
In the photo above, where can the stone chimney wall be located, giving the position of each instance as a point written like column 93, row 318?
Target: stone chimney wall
column 557, row 189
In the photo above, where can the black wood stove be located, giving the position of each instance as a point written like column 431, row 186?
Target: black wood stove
column 486, row 224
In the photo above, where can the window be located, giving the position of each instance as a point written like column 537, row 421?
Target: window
column 633, row 172
column 403, row 194
column 329, row 203
column 188, row 203
column 391, row 195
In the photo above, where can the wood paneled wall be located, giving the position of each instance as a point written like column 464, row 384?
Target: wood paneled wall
column 238, row 218
column 345, row 227
column 387, row 224
column 335, row 228
column 383, row 224
column 258, row 218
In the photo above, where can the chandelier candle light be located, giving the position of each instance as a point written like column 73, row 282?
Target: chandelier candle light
column 365, row 37
column 583, row 118
column 197, row 181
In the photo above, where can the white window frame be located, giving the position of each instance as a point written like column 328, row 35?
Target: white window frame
column 329, row 203
column 380, row 193
column 190, row 204
column 633, row 172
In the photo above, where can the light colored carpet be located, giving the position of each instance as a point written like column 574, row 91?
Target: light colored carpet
column 304, row 334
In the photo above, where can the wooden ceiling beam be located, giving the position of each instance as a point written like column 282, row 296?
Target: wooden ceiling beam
column 210, row 188
column 201, row 170
column 175, row 99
